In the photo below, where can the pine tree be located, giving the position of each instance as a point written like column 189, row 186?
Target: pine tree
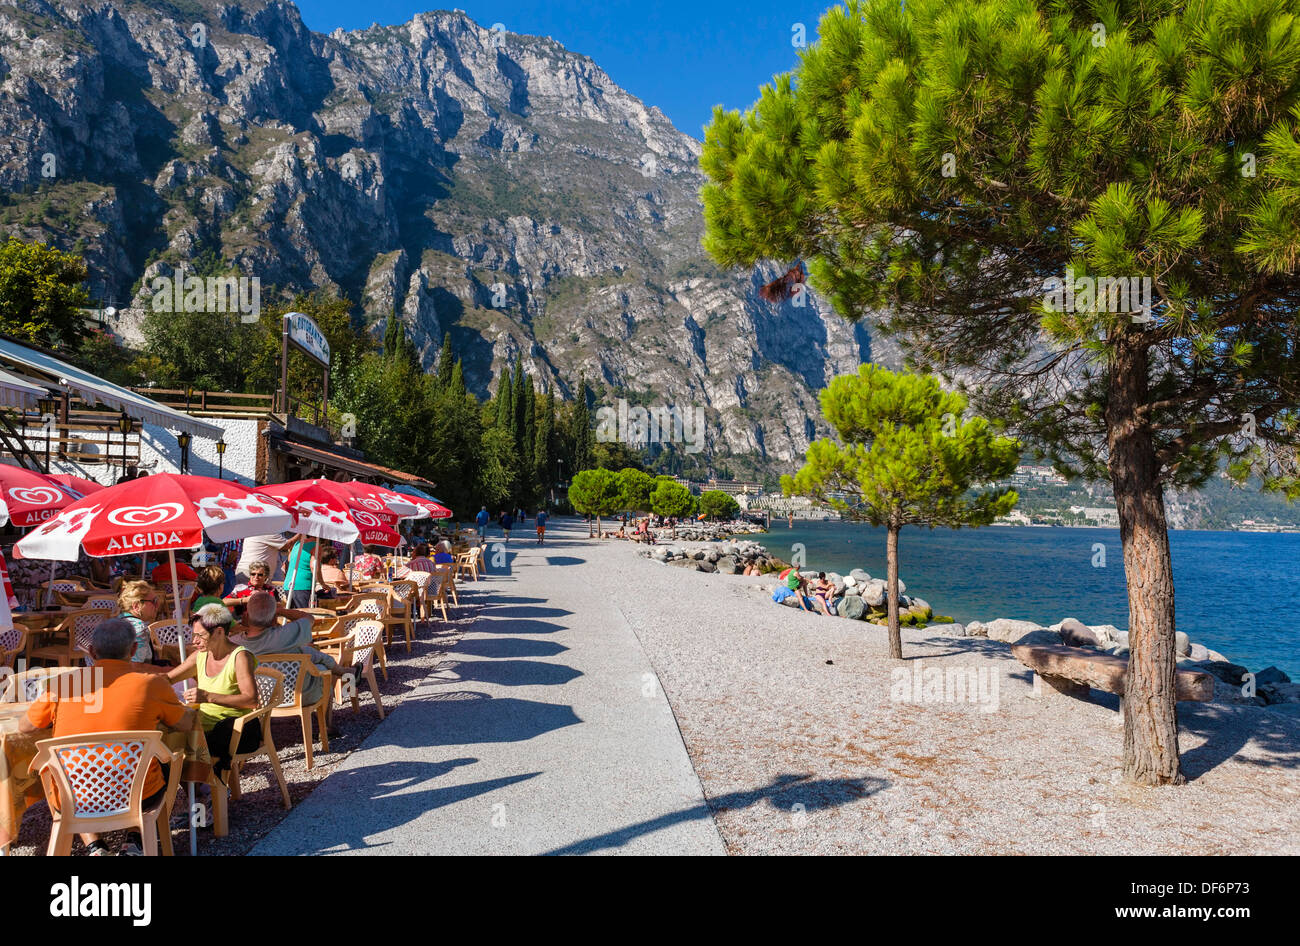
column 520, row 405
column 582, row 437
column 543, row 443
column 974, row 169
column 532, row 489
column 505, row 404
column 445, row 361
column 905, row 458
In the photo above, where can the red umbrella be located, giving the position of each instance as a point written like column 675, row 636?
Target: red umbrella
column 76, row 484
column 28, row 498
column 430, row 509
column 384, row 503
column 330, row 510
column 164, row 513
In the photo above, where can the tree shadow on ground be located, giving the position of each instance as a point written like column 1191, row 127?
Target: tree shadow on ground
column 383, row 793
column 514, row 673
column 510, row 611
column 785, row 793
column 1229, row 729
column 564, row 560
column 467, row 717
column 509, row 647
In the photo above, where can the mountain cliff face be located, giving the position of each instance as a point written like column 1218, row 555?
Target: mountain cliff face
column 477, row 182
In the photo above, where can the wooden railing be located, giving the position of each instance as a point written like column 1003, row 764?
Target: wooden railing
column 89, row 437
column 211, row 402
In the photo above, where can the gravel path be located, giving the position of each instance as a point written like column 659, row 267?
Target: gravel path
column 789, row 721
column 543, row 731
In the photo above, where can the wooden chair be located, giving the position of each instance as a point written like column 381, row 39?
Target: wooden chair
column 99, row 779
column 422, row 581
column 27, row 686
column 297, row 669
column 78, row 627
column 164, row 590
column 49, row 590
column 468, row 562
column 438, row 588
column 12, row 643
column 270, row 694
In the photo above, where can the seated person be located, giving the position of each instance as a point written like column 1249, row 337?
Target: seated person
column 225, row 689
column 208, row 587
column 420, row 561
column 259, row 579
column 140, row 606
column 823, row 591
column 796, row 584
column 369, row 565
column 331, row 576
column 111, row 697
column 442, row 554
column 261, row 635
column 163, row 572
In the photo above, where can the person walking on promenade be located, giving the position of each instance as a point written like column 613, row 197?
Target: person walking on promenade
column 541, row 518
column 507, row 523
column 482, row 521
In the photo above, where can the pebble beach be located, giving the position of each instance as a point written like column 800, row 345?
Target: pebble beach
column 796, row 728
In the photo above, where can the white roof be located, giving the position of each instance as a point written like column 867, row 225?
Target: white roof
column 20, row 393
column 94, row 390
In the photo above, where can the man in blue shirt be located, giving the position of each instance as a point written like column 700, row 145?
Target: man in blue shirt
column 507, row 522
column 482, row 520
column 541, row 518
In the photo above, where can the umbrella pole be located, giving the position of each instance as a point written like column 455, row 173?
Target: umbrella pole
column 49, row 590
column 315, row 572
column 180, row 640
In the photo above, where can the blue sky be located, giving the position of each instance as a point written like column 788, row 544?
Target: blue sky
column 683, row 57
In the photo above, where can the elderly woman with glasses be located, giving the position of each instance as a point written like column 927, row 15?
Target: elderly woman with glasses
column 224, row 686
column 139, row 603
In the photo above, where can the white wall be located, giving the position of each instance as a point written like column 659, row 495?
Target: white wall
column 159, row 453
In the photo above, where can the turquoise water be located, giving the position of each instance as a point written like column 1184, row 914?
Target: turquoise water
column 1235, row 592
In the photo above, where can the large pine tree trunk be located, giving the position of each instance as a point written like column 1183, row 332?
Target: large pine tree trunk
column 891, row 594
column 1150, row 710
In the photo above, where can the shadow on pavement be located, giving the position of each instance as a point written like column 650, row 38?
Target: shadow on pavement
column 511, row 673
column 382, row 793
column 467, row 718
column 509, row 647
column 785, row 793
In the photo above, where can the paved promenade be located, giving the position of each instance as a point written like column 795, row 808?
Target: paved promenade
column 545, row 731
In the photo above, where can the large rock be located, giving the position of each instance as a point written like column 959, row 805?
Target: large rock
column 852, row 607
column 791, row 602
column 873, row 593
column 1229, row 673
column 1120, row 638
column 1108, row 634
column 1199, row 652
column 951, row 630
column 850, row 581
column 1271, row 675
column 713, row 556
column 977, row 629
column 698, row 555
column 1183, row 644
column 1280, row 693
column 705, row 566
column 1010, row 631
column 859, row 576
column 727, row 566
column 1075, row 633
column 1041, row 636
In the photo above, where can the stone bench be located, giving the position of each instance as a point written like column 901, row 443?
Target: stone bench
column 1073, row 671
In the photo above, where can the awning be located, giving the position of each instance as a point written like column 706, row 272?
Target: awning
column 339, row 462
column 20, row 393
column 94, row 390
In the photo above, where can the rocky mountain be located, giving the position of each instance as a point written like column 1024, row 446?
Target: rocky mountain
column 491, row 185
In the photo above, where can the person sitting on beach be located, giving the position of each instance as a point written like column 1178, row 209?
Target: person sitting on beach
column 752, row 569
column 795, row 582
column 823, row 592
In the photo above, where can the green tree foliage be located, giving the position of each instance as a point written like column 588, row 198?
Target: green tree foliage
column 497, row 476
column 716, row 504
column 581, row 428
column 634, row 488
column 949, row 160
column 904, row 457
column 595, row 493
column 670, row 498
column 41, row 293
column 615, row 455
column 544, row 446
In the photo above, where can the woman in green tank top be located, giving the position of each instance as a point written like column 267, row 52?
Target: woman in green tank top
column 225, row 687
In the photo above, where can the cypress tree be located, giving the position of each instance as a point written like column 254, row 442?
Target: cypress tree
column 517, row 423
column 505, row 403
column 529, row 452
column 543, row 460
column 445, row 360
column 581, row 430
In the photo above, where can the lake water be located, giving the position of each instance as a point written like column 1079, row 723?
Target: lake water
column 1235, row 592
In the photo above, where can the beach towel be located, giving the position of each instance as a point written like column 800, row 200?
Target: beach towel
column 781, row 593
